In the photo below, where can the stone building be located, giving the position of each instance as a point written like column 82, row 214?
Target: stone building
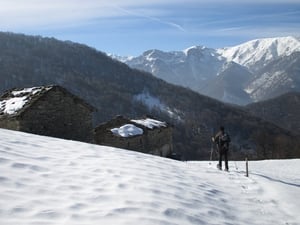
column 144, row 135
column 48, row 110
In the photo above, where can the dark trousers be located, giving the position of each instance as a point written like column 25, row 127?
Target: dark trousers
column 223, row 151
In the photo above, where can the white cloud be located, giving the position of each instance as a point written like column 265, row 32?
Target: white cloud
column 37, row 13
column 31, row 13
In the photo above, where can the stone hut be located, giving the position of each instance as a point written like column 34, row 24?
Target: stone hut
column 144, row 135
column 48, row 110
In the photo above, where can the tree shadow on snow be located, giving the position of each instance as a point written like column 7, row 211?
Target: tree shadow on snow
column 276, row 180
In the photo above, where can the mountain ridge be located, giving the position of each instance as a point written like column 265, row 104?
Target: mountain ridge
column 248, row 53
column 283, row 110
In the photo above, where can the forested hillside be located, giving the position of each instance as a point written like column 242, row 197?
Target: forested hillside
column 283, row 111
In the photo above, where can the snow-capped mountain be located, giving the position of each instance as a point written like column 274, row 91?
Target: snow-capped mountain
column 198, row 64
column 206, row 70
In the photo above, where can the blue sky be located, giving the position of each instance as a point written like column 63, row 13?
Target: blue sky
column 130, row 27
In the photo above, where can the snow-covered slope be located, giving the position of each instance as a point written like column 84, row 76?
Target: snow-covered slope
column 229, row 85
column 256, row 54
column 276, row 78
column 51, row 181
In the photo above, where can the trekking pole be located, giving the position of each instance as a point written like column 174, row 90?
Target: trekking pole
column 211, row 147
column 211, row 152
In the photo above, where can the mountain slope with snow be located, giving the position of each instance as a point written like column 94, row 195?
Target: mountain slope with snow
column 256, row 54
column 229, row 85
column 52, row 181
column 276, row 78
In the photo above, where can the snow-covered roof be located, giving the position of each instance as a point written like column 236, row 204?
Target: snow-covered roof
column 135, row 127
column 128, row 130
column 15, row 100
column 150, row 123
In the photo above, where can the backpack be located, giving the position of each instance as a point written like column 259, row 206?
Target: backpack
column 224, row 138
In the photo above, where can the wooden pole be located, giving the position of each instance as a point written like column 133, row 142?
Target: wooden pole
column 247, row 171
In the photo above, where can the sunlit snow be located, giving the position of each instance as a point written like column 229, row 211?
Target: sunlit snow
column 18, row 99
column 57, row 182
column 128, row 130
column 249, row 53
column 150, row 123
column 12, row 105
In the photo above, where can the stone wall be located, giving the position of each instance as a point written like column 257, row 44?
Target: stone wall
column 58, row 114
column 135, row 143
column 159, row 141
column 9, row 123
column 104, row 136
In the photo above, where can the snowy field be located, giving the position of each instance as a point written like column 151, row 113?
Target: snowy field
column 52, row 181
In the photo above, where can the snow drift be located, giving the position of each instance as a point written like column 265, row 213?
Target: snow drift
column 51, row 181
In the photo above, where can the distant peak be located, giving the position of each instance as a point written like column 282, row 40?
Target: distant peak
column 200, row 47
column 153, row 53
column 150, row 51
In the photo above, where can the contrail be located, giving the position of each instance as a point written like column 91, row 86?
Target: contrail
column 171, row 24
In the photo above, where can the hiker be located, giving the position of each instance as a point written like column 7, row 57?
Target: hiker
column 222, row 139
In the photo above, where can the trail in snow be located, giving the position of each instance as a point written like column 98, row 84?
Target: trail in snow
column 52, row 181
